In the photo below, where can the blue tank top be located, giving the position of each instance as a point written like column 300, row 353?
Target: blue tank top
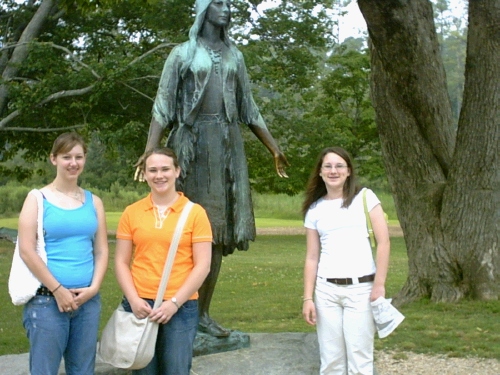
column 69, row 236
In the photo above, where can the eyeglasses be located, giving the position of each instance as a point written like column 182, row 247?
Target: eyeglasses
column 328, row 167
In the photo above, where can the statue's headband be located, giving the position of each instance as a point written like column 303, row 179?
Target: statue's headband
column 201, row 6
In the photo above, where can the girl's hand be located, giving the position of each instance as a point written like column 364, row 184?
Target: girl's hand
column 377, row 291
column 82, row 295
column 164, row 313
column 309, row 312
column 65, row 300
column 140, row 308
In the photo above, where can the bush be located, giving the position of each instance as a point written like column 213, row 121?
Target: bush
column 13, row 194
column 277, row 206
column 12, row 197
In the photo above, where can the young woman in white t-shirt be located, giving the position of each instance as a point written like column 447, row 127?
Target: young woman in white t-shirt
column 341, row 277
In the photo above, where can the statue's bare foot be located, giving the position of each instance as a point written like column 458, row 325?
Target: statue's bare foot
column 211, row 327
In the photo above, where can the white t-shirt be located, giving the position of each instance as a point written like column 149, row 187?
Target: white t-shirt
column 345, row 246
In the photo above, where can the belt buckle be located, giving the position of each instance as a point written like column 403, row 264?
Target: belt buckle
column 355, row 281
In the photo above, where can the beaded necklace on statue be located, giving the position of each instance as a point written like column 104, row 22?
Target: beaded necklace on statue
column 215, row 56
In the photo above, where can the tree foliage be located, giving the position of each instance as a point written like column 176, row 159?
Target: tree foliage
column 96, row 68
column 91, row 69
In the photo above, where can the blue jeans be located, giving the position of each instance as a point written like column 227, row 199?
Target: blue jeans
column 174, row 345
column 54, row 335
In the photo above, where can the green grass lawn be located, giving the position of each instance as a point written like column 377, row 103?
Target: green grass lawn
column 260, row 290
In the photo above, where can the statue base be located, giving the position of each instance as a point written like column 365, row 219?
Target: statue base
column 206, row 344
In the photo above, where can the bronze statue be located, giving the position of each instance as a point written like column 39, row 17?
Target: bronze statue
column 203, row 94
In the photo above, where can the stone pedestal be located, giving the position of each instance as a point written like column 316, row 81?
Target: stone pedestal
column 206, row 344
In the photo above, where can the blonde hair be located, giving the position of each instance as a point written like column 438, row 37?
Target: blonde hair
column 159, row 151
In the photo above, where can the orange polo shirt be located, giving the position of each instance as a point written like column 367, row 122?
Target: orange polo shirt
column 151, row 239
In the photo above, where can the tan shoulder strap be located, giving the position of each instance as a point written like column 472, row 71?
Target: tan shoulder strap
column 368, row 221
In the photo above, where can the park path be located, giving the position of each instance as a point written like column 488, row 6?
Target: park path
column 394, row 231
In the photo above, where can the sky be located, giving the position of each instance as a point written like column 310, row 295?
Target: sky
column 353, row 24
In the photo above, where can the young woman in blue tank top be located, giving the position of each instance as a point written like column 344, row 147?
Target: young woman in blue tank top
column 62, row 320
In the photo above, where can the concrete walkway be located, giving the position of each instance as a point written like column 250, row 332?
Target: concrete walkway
column 268, row 354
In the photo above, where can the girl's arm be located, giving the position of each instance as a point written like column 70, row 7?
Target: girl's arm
column 202, row 255
column 123, row 257
column 381, row 232
column 310, row 273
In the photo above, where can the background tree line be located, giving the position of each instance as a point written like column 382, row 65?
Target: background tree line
column 415, row 117
column 71, row 65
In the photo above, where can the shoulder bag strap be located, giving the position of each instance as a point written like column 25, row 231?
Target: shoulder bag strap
column 368, row 220
column 40, row 240
column 171, row 253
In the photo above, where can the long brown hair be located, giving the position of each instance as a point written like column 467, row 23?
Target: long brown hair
column 316, row 188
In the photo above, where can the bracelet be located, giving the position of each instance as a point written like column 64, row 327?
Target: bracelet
column 57, row 287
column 307, row 299
column 174, row 301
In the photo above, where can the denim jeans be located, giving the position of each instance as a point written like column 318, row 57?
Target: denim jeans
column 174, row 345
column 54, row 335
column 345, row 326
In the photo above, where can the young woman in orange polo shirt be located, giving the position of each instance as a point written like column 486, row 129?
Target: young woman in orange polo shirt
column 143, row 237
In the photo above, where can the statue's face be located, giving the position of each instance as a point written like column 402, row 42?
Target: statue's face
column 219, row 13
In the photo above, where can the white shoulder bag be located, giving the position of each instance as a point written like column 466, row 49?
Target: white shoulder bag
column 22, row 283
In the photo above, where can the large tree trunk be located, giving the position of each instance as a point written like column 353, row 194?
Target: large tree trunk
column 471, row 202
column 446, row 194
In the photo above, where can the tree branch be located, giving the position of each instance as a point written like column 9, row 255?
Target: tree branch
column 66, row 93
column 21, row 52
column 40, row 130
column 163, row 45
column 143, row 77
column 137, row 91
column 62, row 48
column 52, row 97
column 73, row 57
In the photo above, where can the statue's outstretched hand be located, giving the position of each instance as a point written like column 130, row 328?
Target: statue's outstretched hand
column 280, row 163
column 139, row 174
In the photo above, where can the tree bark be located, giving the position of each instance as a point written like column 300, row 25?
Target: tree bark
column 437, row 185
column 471, row 201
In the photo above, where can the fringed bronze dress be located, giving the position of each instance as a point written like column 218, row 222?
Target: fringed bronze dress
column 209, row 146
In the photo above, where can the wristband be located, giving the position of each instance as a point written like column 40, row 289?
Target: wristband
column 57, row 287
column 307, row 299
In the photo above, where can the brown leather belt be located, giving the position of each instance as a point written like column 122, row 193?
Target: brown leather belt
column 350, row 281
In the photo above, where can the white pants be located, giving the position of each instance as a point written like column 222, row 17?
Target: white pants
column 346, row 329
